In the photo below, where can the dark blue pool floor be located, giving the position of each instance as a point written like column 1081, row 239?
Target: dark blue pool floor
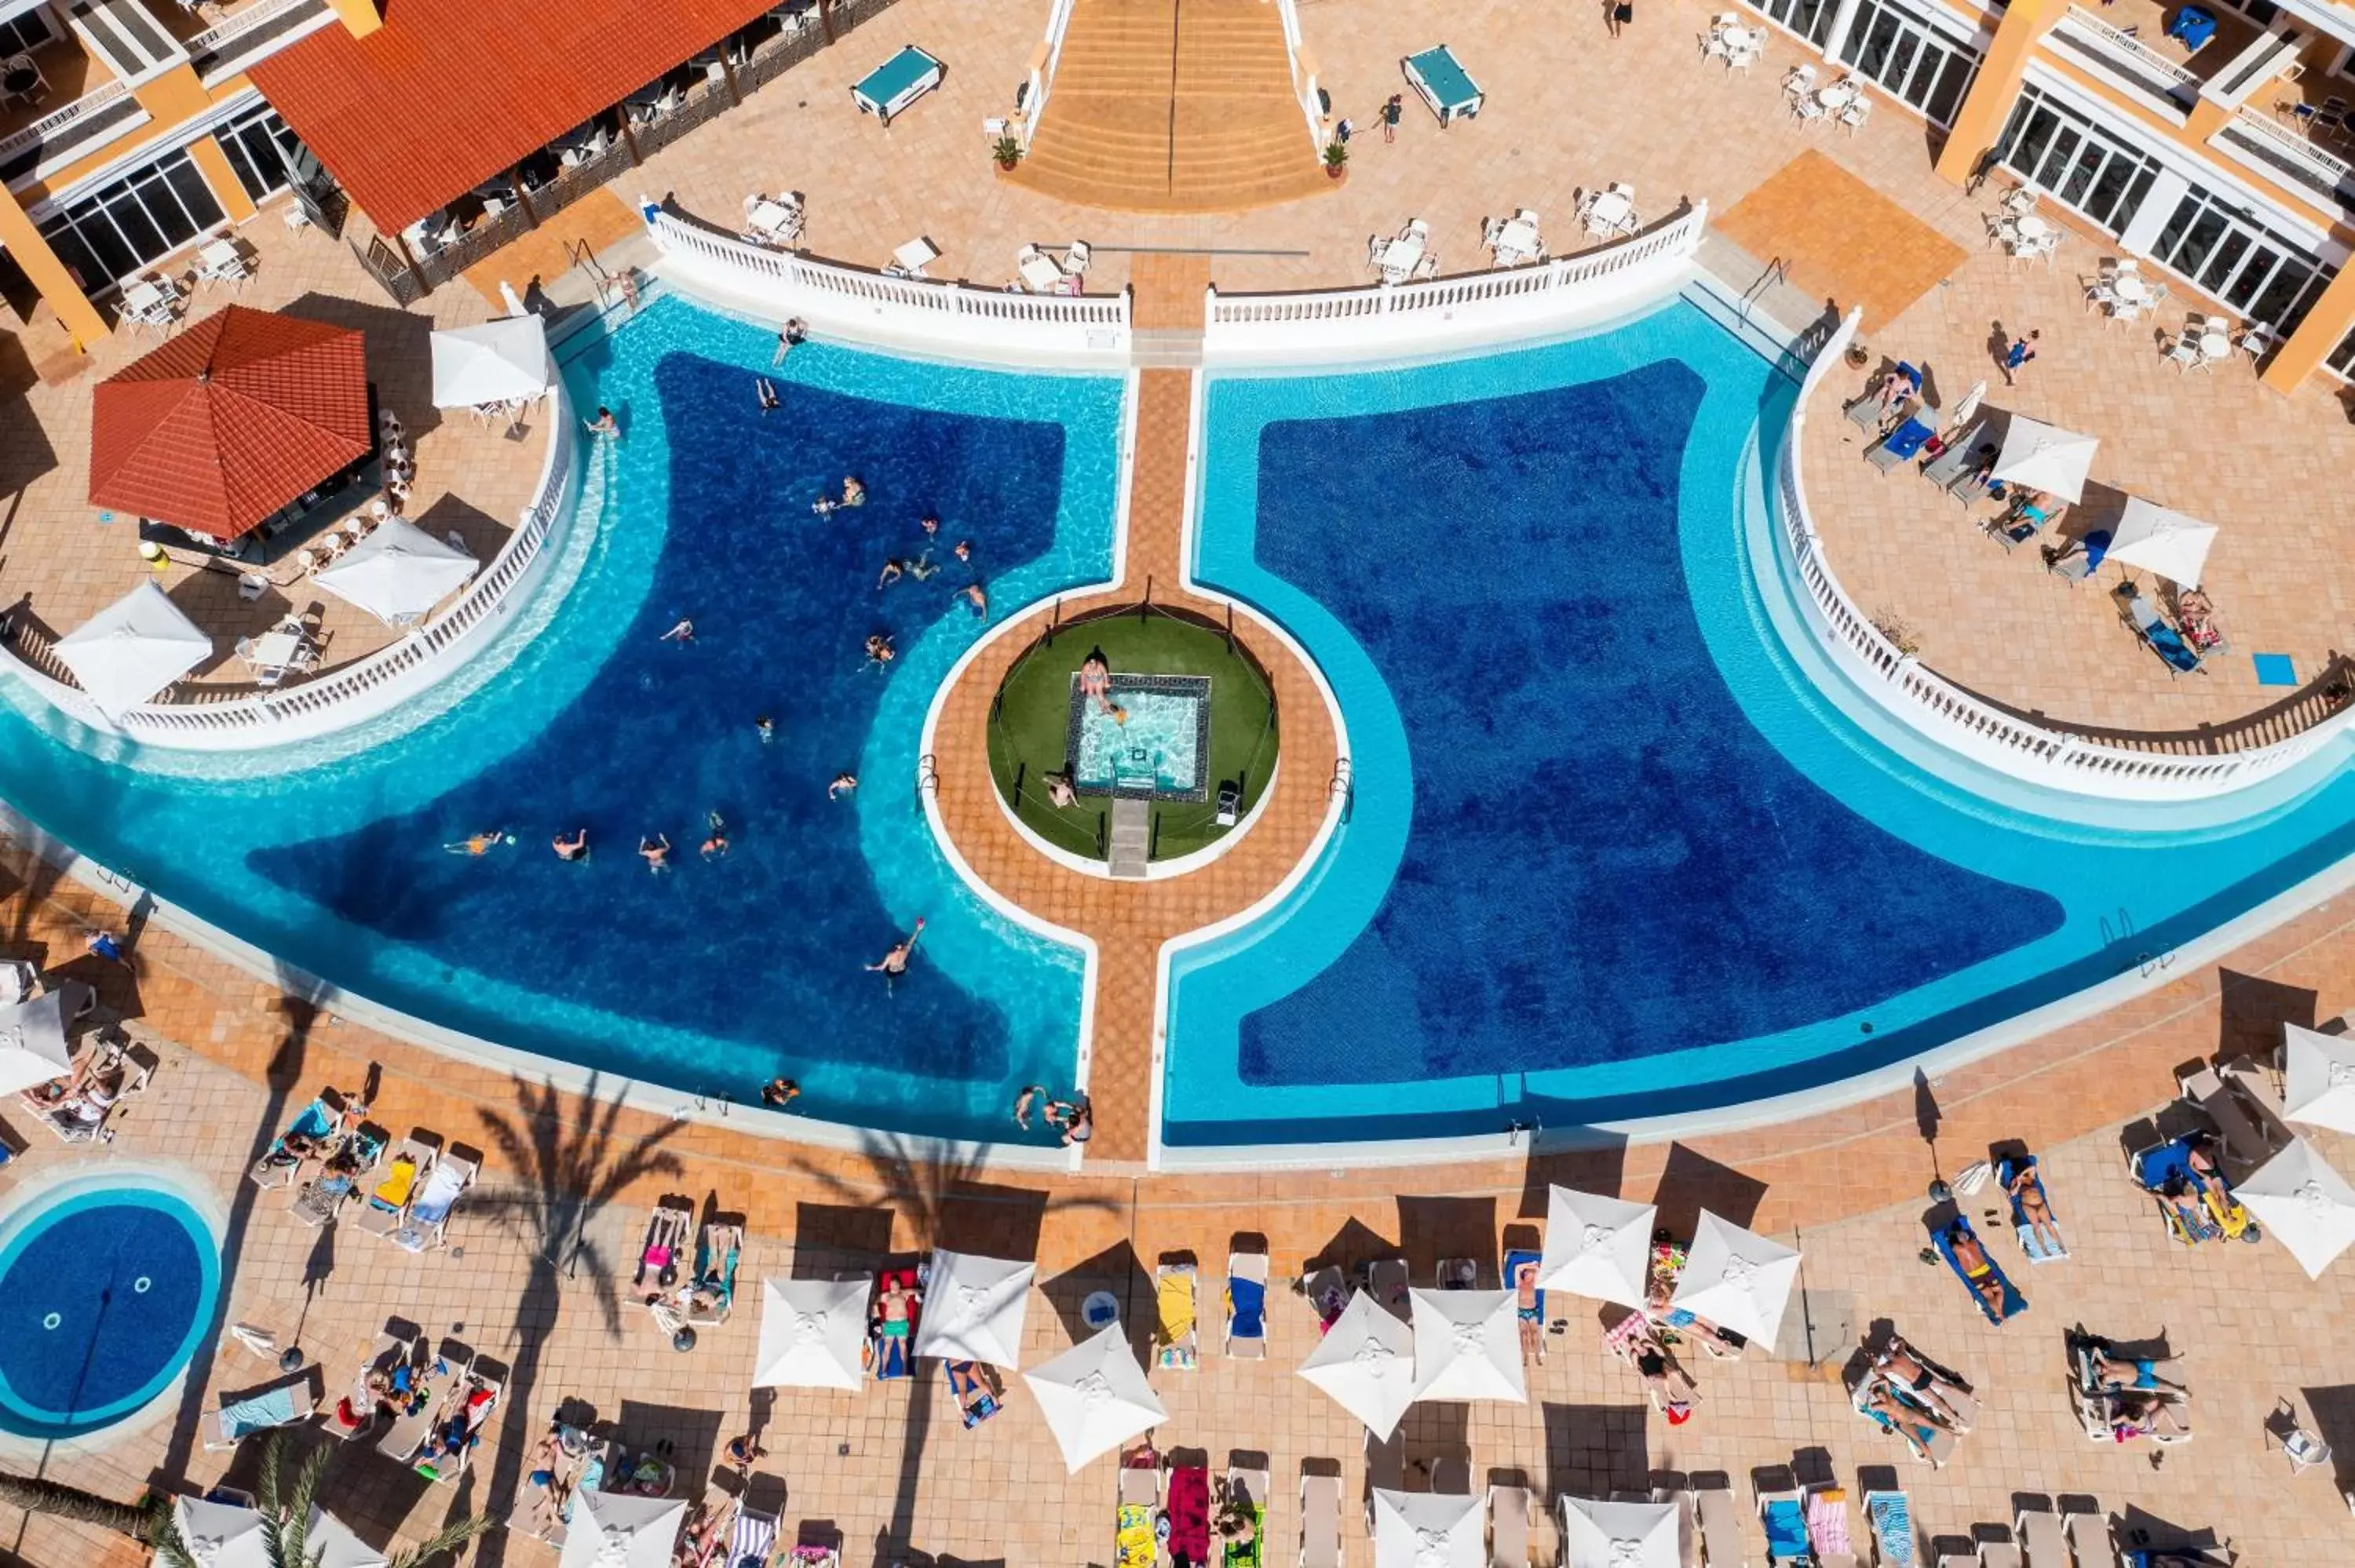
column 764, row 946
column 123, row 1284
column 1605, row 859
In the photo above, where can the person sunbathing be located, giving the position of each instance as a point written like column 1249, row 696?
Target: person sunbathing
column 1095, row 680
column 2136, row 1374
column 1918, row 1426
column 1928, row 1387
column 2132, row 1415
column 2184, row 1201
column 2195, row 616
column 894, row 1317
column 2027, row 1193
column 1977, row 1269
column 1657, row 1368
column 1711, row 1338
column 1528, row 1313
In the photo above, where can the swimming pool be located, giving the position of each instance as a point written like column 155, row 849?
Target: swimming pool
column 722, row 973
column 1611, row 852
column 108, row 1285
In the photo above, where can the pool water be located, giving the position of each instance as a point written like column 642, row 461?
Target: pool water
column 1153, row 741
column 723, row 973
column 1609, row 854
column 107, row 1286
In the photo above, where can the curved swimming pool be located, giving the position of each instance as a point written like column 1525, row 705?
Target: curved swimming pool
column 108, row 1286
column 1612, row 851
column 726, row 970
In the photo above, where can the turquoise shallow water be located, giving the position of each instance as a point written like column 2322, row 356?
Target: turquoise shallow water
column 1610, row 852
column 723, row 974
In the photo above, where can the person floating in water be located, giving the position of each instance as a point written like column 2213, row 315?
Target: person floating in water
column 655, row 852
column 766, row 728
column 891, row 570
column 921, row 566
column 1023, row 1102
column 978, row 597
column 766, row 390
column 715, row 844
column 879, row 648
column 965, row 551
column 604, row 424
column 853, row 493
column 574, row 848
column 931, row 525
column 1095, row 680
column 683, row 633
column 843, row 783
column 781, row 1093
column 480, row 843
column 894, row 964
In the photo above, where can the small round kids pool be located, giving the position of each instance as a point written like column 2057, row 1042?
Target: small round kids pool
column 107, row 1286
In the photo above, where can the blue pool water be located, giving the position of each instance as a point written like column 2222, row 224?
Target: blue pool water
column 107, row 1287
column 718, row 975
column 1609, row 854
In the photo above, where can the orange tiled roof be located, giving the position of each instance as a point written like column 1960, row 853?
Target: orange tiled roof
column 448, row 93
column 230, row 421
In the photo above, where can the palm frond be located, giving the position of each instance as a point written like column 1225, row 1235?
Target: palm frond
column 448, row 1538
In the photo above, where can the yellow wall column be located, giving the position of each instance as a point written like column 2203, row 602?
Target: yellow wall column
column 206, row 153
column 2324, row 328
column 48, row 274
column 174, row 95
column 359, row 17
column 1980, row 120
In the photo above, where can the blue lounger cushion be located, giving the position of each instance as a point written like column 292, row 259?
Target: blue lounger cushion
column 1787, row 1530
column 1908, row 437
column 2037, row 1248
column 2014, row 1303
column 1246, row 1309
column 1513, row 1261
column 275, row 1407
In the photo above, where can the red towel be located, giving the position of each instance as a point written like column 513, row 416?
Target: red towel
column 1189, row 1514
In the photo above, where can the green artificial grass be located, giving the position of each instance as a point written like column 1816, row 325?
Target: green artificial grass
column 1033, row 717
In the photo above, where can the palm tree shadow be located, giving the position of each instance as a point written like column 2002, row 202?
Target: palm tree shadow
column 565, row 1165
column 940, row 1192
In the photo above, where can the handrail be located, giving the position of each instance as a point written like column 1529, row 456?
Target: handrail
column 1042, row 81
column 2131, row 53
column 335, row 701
column 245, row 21
column 1377, row 319
column 1947, row 713
column 1303, row 81
column 57, row 119
column 2265, row 128
column 956, row 318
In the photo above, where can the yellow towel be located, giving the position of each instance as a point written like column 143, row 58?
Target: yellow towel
column 1177, row 1294
column 394, row 1191
column 1132, row 1541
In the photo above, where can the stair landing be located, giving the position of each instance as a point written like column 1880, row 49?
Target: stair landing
column 1173, row 106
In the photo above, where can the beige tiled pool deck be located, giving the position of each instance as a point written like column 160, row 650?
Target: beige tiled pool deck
column 890, row 1471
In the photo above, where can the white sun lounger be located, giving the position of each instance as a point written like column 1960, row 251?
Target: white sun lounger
column 241, row 1416
column 1508, row 1527
column 436, row 1465
column 1721, row 1527
column 1320, row 1522
column 755, row 1537
column 384, row 1208
column 428, row 1223
column 1889, row 1515
column 2046, row 1541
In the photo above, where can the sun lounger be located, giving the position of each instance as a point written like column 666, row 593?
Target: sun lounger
column 322, row 1197
column 1902, row 443
column 717, row 1251
column 755, row 1537
column 2042, row 1537
column 1828, row 1533
column 414, row 1415
column 1947, row 1387
column 2191, row 1212
column 395, row 1356
column 1924, row 1438
column 2245, row 1142
column 2038, row 1249
column 2164, row 1414
column 1247, row 1305
column 1890, row 1516
column 1177, row 1336
column 1953, row 459
column 1326, row 1291
column 666, row 1231
column 1865, row 413
column 889, row 1346
column 1248, row 1489
column 1997, row 1554
column 2160, row 638
column 1944, row 1237
column 1528, row 1301
column 2074, row 564
column 1673, row 1493
column 1782, row 1516
column 385, row 1207
column 2255, row 1084
column 1136, row 1497
column 1320, row 1521
column 466, row 1410
column 1721, row 1527
column 974, row 1400
column 428, row 1223
column 320, row 1122
column 120, row 1071
column 1508, row 1527
column 1187, row 1509
column 1387, row 1282
column 241, row 1415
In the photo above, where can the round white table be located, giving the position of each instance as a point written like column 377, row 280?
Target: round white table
column 2129, row 288
column 2029, row 227
column 2214, row 345
column 1836, row 97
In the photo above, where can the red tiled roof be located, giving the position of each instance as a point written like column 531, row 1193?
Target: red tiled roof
column 448, row 93
column 230, row 420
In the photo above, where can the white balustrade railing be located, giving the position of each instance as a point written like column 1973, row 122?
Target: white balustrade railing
column 260, row 15
column 949, row 319
column 49, row 125
column 2126, row 59
column 1042, row 80
column 1944, row 713
column 2258, row 140
column 1303, row 81
column 372, row 686
column 1385, row 318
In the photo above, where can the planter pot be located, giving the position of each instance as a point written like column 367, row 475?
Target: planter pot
column 1335, row 171
column 1005, row 166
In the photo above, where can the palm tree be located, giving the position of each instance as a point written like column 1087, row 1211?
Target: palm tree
column 287, row 1509
column 31, row 1494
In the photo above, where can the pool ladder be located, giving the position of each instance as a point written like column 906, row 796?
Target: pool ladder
column 1344, row 785
column 928, row 775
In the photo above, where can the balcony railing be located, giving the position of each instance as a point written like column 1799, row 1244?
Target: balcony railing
column 103, row 113
column 2288, row 159
column 2126, row 62
column 253, row 33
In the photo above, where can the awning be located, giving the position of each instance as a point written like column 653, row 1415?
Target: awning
column 813, row 1334
column 1597, row 1247
column 494, row 362
column 1737, row 1279
column 398, row 572
column 1365, row 1364
column 2045, row 456
column 449, row 93
column 1094, row 1397
column 230, row 420
column 974, row 1309
column 2157, row 540
column 133, row 649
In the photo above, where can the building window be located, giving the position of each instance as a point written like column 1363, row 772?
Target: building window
column 2228, row 255
column 29, row 31
column 1897, row 50
column 253, row 142
column 2342, row 358
column 2083, row 166
column 1811, row 19
column 130, row 223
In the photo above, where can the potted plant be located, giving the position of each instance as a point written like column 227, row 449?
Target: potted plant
column 1008, row 151
column 1336, row 153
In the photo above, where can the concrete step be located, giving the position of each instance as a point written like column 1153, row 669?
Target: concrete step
column 1132, row 836
column 1165, row 348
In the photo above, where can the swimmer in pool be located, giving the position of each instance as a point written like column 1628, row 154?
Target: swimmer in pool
column 766, row 728
column 683, row 633
column 843, row 783
column 921, row 566
column 480, row 843
column 715, row 844
column 655, row 852
column 1023, row 1102
column 894, row 964
column 931, row 525
column 766, row 390
column 574, row 848
column 978, row 597
column 891, row 570
column 879, row 648
column 965, row 551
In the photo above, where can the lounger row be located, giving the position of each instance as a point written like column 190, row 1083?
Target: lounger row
column 334, row 1158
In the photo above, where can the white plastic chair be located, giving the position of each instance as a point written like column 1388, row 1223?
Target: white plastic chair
column 1858, row 109
column 1075, row 258
column 1799, row 82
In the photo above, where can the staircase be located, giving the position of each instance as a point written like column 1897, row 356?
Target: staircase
column 1132, row 834
column 1173, row 106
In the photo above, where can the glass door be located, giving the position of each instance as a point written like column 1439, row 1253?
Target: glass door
column 1899, row 52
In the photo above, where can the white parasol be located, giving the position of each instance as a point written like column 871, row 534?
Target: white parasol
column 1597, row 1247
column 2303, row 1205
column 1467, row 1345
column 2045, row 456
column 133, row 649
column 620, row 1529
column 398, row 572
column 1736, row 1278
column 1618, row 1534
column 973, row 1309
column 1366, row 1364
column 1094, row 1397
column 2157, row 540
column 813, row 1334
column 2320, row 1070
column 496, row 362
column 1428, row 1530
